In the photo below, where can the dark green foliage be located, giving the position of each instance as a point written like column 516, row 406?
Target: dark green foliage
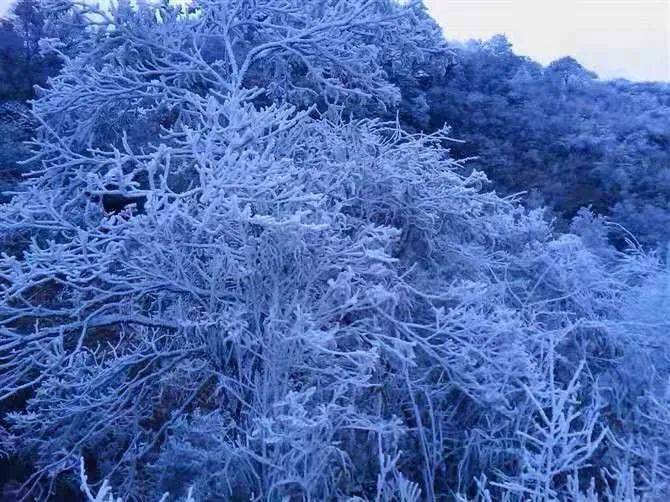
column 24, row 68
column 16, row 127
column 558, row 133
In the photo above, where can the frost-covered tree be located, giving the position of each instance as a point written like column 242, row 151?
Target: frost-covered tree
column 225, row 275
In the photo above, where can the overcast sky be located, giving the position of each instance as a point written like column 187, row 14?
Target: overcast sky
column 615, row 38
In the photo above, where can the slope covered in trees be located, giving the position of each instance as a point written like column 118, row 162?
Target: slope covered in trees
column 232, row 277
column 559, row 134
column 23, row 67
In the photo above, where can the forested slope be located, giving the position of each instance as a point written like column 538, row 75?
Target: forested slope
column 559, row 134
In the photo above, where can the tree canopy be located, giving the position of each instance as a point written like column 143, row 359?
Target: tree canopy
column 236, row 271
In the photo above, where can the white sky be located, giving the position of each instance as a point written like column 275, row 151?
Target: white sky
column 615, row 38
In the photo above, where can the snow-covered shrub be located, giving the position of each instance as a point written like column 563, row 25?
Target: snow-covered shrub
column 223, row 277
